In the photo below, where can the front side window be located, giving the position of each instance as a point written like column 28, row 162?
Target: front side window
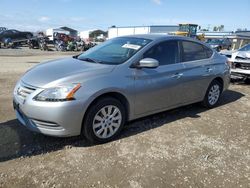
column 115, row 51
column 193, row 51
column 166, row 53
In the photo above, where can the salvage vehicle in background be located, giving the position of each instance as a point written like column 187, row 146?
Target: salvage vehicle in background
column 125, row 78
column 14, row 35
column 240, row 63
column 220, row 44
column 33, row 43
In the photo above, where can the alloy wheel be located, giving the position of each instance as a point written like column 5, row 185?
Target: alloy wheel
column 107, row 121
column 214, row 94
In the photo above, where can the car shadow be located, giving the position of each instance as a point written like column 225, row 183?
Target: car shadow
column 18, row 142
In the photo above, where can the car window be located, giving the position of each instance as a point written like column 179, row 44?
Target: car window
column 115, row 51
column 192, row 51
column 208, row 51
column 166, row 52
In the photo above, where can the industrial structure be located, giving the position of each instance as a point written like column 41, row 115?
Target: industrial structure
column 132, row 30
column 65, row 30
column 94, row 33
column 238, row 38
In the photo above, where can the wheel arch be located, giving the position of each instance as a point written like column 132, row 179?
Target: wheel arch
column 220, row 80
column 114, row 94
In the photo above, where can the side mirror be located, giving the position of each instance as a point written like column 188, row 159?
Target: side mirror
column 148, row 63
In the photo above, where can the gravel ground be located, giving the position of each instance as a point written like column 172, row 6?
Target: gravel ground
column 185, row 147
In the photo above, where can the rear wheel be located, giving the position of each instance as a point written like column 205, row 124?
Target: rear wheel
column 213, row 94
column 104, row 120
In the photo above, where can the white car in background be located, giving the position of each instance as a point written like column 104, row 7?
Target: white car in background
column 240, row 62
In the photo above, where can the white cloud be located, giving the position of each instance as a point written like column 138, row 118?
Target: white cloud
column 158, row 2
column 43, row 19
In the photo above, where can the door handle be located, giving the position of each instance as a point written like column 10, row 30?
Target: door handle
column 177, row 75
column 209, row 70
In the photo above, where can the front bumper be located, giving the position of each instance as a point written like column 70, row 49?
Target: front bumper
column 62, row 119
column 240, row 73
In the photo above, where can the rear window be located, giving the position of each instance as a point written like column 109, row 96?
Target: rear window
column 193, row 51
column 209, row 52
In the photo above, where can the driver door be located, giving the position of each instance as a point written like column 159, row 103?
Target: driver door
column 159, row 88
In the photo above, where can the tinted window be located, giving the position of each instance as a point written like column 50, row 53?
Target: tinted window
column 193, row 51
column 165, row 52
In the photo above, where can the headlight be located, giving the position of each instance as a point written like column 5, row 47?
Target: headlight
column 59, row 93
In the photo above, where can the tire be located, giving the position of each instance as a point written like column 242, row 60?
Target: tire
column 247, row 80
column 96, row 127
column 213, row 94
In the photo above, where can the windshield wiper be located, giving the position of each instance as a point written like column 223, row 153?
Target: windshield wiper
column 90, row 60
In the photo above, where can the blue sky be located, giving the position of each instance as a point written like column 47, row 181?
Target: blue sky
column 91, row 14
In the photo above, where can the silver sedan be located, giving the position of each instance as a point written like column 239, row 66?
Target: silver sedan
column 97, row 92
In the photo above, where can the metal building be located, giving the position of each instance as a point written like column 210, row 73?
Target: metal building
column 66, row 30
column 133, row 30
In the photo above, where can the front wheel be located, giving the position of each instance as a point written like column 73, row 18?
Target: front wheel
column 104, row 120
column 213, row 94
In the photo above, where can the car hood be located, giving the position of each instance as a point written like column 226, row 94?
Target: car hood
column 63, row 71
column 242, row 54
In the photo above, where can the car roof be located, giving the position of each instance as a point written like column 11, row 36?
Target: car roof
column 158, row 37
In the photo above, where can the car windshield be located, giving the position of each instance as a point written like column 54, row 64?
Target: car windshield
column 114, row 51
column 245, row 48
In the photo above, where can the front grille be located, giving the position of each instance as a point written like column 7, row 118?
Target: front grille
column 24, row 90
column 241, row 58
column 245, row 66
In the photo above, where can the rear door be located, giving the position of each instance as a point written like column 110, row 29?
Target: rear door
column 159, row 88
column 198, row 73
